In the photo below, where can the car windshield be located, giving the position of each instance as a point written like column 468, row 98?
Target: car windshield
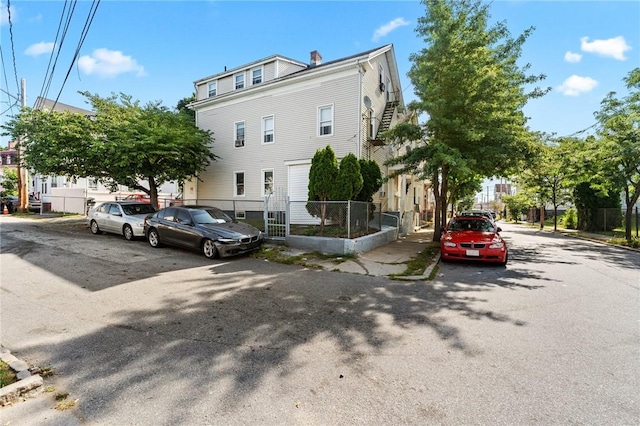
column 471, row 225
column 210, row 216
column 139, row 209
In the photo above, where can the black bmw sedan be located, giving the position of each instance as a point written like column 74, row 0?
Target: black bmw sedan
column 203, row 228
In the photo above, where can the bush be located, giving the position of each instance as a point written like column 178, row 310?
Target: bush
column 570, row 218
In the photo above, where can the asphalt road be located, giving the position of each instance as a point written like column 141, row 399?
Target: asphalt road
column 163, row 337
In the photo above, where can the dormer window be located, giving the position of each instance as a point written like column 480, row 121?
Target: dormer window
column 213, row 89
column 256, row 76
column 239, row 80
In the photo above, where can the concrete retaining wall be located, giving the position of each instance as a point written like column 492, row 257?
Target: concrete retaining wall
column 329, row 245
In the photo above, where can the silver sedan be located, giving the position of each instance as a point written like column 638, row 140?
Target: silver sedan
column 120, row 217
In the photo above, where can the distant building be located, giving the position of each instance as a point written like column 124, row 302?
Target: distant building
column 501, row 189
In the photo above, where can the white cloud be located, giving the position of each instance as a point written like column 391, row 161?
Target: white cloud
column 575, row 85
column 4, row 14
column 388, row 27
column 612, row 47
column 109, row 63
column 572, row 57
column 40, row 48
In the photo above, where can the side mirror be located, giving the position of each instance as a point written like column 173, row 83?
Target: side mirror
column 498, row 229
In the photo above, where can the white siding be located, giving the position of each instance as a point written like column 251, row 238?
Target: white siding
column 295, row 113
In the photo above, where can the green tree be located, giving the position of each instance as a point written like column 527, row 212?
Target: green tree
column 182, row 106
column 123, row 144
column 349, row 182
column 9, row 182
column 618, row 151
column 547, row 176
column 469, row 84
column 517, row 205
column 322, row 177
column 371, row 180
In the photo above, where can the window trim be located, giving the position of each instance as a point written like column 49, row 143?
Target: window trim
column 263, row 181
column 235, row 183
column 319, row 122
column 263, row 129
column 235, row 134
column 235, row 81
column 215, row 89
column 261, row 69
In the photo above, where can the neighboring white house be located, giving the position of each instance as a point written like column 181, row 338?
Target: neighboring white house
column 269, row 117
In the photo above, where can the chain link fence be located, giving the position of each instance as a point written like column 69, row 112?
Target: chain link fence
column 339, row 219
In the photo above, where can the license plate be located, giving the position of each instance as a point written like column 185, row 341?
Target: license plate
column 473, row 252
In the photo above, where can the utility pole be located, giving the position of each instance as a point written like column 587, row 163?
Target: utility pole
column 23, row 178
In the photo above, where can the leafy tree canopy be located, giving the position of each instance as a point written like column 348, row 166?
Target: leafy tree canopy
column 371, row 180
column 618, row 151
column 472, row 90
column 124, row 143
column 349, row 182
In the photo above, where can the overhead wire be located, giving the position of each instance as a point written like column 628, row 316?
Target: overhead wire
column 48, row 78
column 13, row 50
column 83, row 36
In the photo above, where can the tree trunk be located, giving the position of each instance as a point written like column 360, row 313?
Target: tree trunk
column 628, row 215
column 437, row 224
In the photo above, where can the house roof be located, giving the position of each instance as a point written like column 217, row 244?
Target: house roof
column 44, row 103
column 249, row 65
column 309, row 69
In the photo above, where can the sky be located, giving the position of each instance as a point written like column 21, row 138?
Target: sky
column 155, row 50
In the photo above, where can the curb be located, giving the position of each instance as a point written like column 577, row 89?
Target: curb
column 27, row 385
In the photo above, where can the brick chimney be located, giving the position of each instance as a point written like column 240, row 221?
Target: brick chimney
column 316, row 58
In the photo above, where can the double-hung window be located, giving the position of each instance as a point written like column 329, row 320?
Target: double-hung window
column 213, row 89
column 239, row 134
column 239, row 81
column 267, row 182
column 238, row 184
column 267, row 129
column 325, row 120
column 256, row 76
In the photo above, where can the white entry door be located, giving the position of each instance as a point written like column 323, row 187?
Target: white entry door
column 298, row 192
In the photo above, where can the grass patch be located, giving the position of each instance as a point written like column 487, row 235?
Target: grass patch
column 44, row 372
column 418, row 264
column 280, row 254
column 63, row 402
column 7, row 375
column 620, row 241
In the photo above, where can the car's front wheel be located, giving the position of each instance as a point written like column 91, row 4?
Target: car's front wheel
column 127, row 232
column 209, row 249
column 154, row 238
column 94, row 227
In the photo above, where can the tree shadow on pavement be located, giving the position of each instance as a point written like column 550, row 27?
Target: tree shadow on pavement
column 224, row 339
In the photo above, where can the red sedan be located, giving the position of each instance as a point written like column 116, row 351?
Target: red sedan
column 143, row 198
column 473, row 238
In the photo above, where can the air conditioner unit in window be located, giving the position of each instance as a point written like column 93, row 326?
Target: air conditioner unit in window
column 239, row 143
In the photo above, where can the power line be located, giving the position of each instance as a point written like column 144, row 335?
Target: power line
column 83, row 36
column 46, row 85
column 13, row 51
